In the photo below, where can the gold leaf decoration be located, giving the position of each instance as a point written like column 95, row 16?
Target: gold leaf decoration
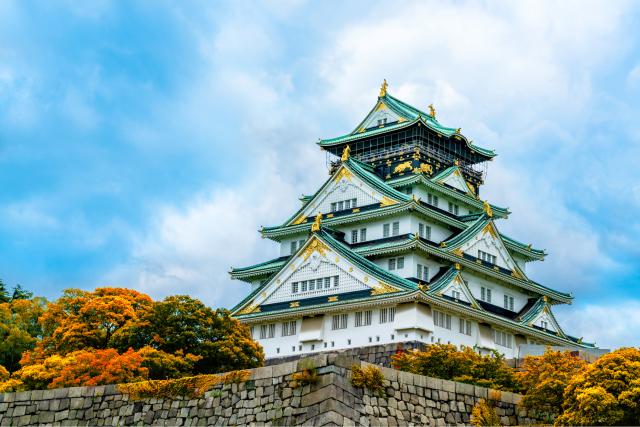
column 402, row 167
column 383, row 288
column 315, row 246
column 294, row 304
column 387, row 202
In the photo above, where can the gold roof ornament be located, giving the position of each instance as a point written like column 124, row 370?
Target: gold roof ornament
column 458, row 131
column 316, row 224
column 456, row 162
column 487, row 209
column 545, row 298
column 346, row 153
column 383, row 88
column 432, row 111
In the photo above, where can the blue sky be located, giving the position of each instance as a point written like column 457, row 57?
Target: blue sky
column 142, row 144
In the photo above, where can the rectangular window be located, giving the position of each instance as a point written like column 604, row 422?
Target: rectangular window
column 442, row 319
column 354, row 203
column 465, row 326
column 385, row 230
column 343, row 320
column 392, row 264
column 455, row 294
column 424, row 231
column 335, row 322
column 419, row 271
column 340, row 206
column 508, row 302
column 272, row 330
column 293, row 248
column 333, row 207
column 312, row 285
column 304, row 286
column 367, row 317
column 387, row 314
column 485, row 294
column 487, row 257
column 503, row 339
column 354, row 236
column 453, row 208
column 358, row 319
column 289, row 328
column 363, row 234
column 336, row 280
column 396, row 228
column 300, row 243
column 294, row 288
column 432, row 200
column 400, row 263
column 263, row 332
column 327, row 282
column 347, row 204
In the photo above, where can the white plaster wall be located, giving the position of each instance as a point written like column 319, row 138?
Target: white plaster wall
column 497, row 291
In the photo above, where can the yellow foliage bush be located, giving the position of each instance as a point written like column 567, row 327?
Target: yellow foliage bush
column 484, row 414
column 369, row 377
column 304, row 377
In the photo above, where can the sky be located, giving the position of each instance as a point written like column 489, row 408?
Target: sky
column 143, row 144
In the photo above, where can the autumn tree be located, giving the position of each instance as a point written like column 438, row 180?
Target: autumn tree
column 4, row 294
column 184, row 324
column 162, row 365
column 20, row 293
column 543, row 379
column 19, row 329
column 447, row 362
column 606, row 392
column 82, row 319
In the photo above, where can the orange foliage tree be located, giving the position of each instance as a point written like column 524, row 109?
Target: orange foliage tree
column 606, row 392
column 543, row 379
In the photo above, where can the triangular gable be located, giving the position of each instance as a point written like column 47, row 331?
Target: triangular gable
column 381, row 115
column 484, row 236
column 541, row 316
column 350, row 181
column 453, row 178
column 452, row 281
column 322, row 257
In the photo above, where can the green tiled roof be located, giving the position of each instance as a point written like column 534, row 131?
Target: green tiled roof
column 259, row 269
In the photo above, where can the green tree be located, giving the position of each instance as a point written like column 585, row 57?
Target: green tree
column 20, row 293
column 19, row 329
column 606, row 392
column 4, row 294
column 184, row 324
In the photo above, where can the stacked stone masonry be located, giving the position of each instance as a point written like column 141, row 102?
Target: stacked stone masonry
column 268, row 398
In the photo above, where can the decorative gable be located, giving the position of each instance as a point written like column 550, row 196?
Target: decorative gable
column 452, row 285
column 488, row 243
column 346, row 190
column 315, row 271
column 544, row 319
column 379, row 116
column 455, row 179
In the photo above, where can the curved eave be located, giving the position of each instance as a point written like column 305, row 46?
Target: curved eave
column 410, row 244
column 401, row 297
column 531, row 254
column 498, row 211
column 280, row 232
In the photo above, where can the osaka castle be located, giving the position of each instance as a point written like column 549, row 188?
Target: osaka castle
column 398, row 246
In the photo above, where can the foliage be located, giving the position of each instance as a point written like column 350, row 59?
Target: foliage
column 181, row 323
column 369, row 377
column 19, row 329
column 304, row 377
column 162, row 365
column 81, row 319
column 193, row 387
column 606, row 392
column 20, row 293
column 484, row 414
column 543, row 379
column 447, row 362
column 4, row 294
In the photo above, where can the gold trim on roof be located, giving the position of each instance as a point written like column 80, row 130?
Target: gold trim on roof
column 385, row 201
column 490, row 229
column 333, row 298
column 302, row 218
column 316, row 224
column 383, row 288
column 487, row 209
column 344, row 173
column 252, row 308
column 424, row 168
column 315, row 245
column 294, row 304
column 458, row 252
column 432, row 111
column 345, row 153
column 383, row 88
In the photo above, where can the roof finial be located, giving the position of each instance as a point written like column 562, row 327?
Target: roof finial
column 316, row 224
column 346, row 153
column 545, row 298
column 487, row 209
column 432, row 111
column 456, row 162
column 383, row 88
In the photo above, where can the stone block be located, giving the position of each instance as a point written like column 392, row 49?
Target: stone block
column 22, row 396
column 480, row 392
column 434, row 383
column 449, row 386
column 284, row 369
column 261, row 373
column 62, row 415
column 461, row 388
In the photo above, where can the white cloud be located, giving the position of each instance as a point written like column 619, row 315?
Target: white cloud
column 611, row 325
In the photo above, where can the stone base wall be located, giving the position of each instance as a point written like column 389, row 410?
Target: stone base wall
column 268, row 398
column 376, row 354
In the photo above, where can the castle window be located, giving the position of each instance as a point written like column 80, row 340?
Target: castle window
column 267, row 331
column 422, row 272
column 300, row 243
column 294, row 288
column 334, row 207
column 508, row 302
column 503, row 339
column 396, row 229
column 289, row 328
column 327, row 282
column 293, row 247
column 363, row 234
column 304, row 286
column 465, row 326
column 485, row 294
column 354, row 203
column 339, row 321
column 354, row 236
column 544, row 324
column 312, row 284
column 340, row 206
column 363, row 318
column 455, row 294
column 487, row 257
column 453, row 208
column 400, row 263
column 432, row 200
column 347, row 204
column 385, row 230
column 442, row 319
column 387, row 314
column 424, row 231
column 336, row 281
column 392, row 264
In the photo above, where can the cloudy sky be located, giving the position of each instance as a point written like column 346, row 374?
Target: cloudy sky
column 142, row 144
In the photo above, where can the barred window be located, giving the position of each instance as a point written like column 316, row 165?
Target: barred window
column 339, row 321
column 294, row 288
column 363, row 318
column 385, row 230
column 424, row 231
column 387, row 314
column 422, row 272
column 485, row 294
column 465, row 326
column 289, row 328
column 508, row 302
column 503, row 339
column 400, row 263
column 354, row 236
column 363, row 234
column 293, row 247
column 396, row 228
column 392, row 264
column 442, row 319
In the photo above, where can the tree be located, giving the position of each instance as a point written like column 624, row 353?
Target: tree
column 181, row 323
column 544, row 379
column 4, row 294
column 19, row 329
column 81, row 319
column 606, row 392
column 162, row 365
column 447, row 362
column 20, row 293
